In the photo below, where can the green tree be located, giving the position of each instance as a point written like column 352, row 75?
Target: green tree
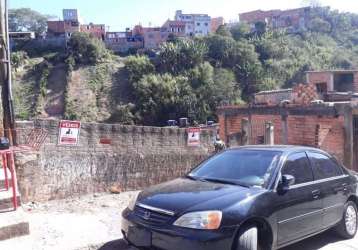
column 86, row 49
column 26, row 19
column 159, row 97
column 260, row 28
column 212, row 87
column 223, row 31
column 177, row 57
column 220, row 49
column 138, row 66
column 319, row 25
column 240, row 31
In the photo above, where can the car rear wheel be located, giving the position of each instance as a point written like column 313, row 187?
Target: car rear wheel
column 347, row 228
column 248, row 239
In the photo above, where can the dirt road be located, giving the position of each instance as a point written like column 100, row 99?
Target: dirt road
column 325, row 241
column 87, row 223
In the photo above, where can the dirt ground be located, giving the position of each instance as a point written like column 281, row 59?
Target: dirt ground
column 93, row 222
column 72, row 224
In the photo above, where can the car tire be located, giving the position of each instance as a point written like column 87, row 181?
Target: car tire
column 348, row 226
column 248, row 239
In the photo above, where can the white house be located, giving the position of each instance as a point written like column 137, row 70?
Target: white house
column 195, row 24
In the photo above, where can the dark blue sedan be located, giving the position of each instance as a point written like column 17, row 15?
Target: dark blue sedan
column 248, row 198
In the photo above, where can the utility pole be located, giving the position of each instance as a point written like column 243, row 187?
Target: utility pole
column 5, row 75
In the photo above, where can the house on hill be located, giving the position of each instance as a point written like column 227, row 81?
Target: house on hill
column 323, row 113
column 293, row 19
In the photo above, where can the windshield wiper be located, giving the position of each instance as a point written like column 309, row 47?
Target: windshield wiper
column 191, row 177
column 223, row 181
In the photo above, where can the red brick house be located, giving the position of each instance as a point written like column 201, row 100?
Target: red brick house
column 301, row 116
column 334, row 80
column 293, row 18
column 62, row 28
column 154, row 37
column 176, row 28
column 123, row 41
column 216, row 22
column 255, row 16
column 96, row 30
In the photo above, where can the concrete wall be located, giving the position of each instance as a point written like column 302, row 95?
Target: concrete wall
column 136, row 158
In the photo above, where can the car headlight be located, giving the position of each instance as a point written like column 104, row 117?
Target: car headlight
column 200, row 220
column 133, row 201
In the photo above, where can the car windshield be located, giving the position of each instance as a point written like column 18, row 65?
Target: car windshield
column 241, row 167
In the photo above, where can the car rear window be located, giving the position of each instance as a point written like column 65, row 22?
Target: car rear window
column 323, row 166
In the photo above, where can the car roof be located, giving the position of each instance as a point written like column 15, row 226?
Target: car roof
column 279, row 148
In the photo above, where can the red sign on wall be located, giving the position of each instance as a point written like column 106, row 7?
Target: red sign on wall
column 194, row 137
column 69, row 132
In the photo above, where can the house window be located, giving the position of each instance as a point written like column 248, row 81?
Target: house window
column 206, row 24
column 88, row 27
column 198, row 24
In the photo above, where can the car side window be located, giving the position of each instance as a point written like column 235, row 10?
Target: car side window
column 323, row 166
column 298, row 166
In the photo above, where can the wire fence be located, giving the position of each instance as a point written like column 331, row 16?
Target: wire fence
column 26, row 139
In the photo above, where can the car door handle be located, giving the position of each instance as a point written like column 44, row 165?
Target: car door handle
column 341, row 188
column 316, row 194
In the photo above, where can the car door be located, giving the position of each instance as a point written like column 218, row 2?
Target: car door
column 333, row 186
column 300, row 208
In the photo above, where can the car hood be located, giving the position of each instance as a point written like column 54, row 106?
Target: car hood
column 183, row 194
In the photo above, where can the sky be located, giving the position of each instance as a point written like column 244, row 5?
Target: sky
column 120, row 14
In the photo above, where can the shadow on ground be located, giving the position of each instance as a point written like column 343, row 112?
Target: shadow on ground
column 314, row 243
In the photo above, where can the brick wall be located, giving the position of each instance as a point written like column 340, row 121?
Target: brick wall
column 97, row 30
column 355, row 81
column 323, row 131
column 136, row 158
column 257, row 15
column 321, row 77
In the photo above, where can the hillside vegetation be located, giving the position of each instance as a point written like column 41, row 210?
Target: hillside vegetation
column 187, row 77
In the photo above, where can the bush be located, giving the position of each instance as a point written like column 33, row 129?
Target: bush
column 177, row 57
column 319, row 25
column 137, row 67
column 86, row 49
column 18, row 59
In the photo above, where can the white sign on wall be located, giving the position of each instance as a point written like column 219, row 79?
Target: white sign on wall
column 69, row 132
column 193, row 136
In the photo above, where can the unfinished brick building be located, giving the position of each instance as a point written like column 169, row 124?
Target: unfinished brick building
column 303, row 115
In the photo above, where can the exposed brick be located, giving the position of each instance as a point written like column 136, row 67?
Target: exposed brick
column 326, row 132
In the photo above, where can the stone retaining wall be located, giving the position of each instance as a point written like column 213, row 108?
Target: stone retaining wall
column 136, row 157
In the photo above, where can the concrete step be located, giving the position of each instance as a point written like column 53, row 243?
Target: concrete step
column 2, row 178
column 13, row 224
column 6, row 200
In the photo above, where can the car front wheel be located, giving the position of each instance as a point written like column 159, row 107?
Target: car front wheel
column 248, row 239
column 347, row 228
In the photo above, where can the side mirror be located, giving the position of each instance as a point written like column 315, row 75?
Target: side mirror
column 286, row 182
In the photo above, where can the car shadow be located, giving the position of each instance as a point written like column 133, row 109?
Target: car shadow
column 316, row 242
column 313, row 243
column 116, row 245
